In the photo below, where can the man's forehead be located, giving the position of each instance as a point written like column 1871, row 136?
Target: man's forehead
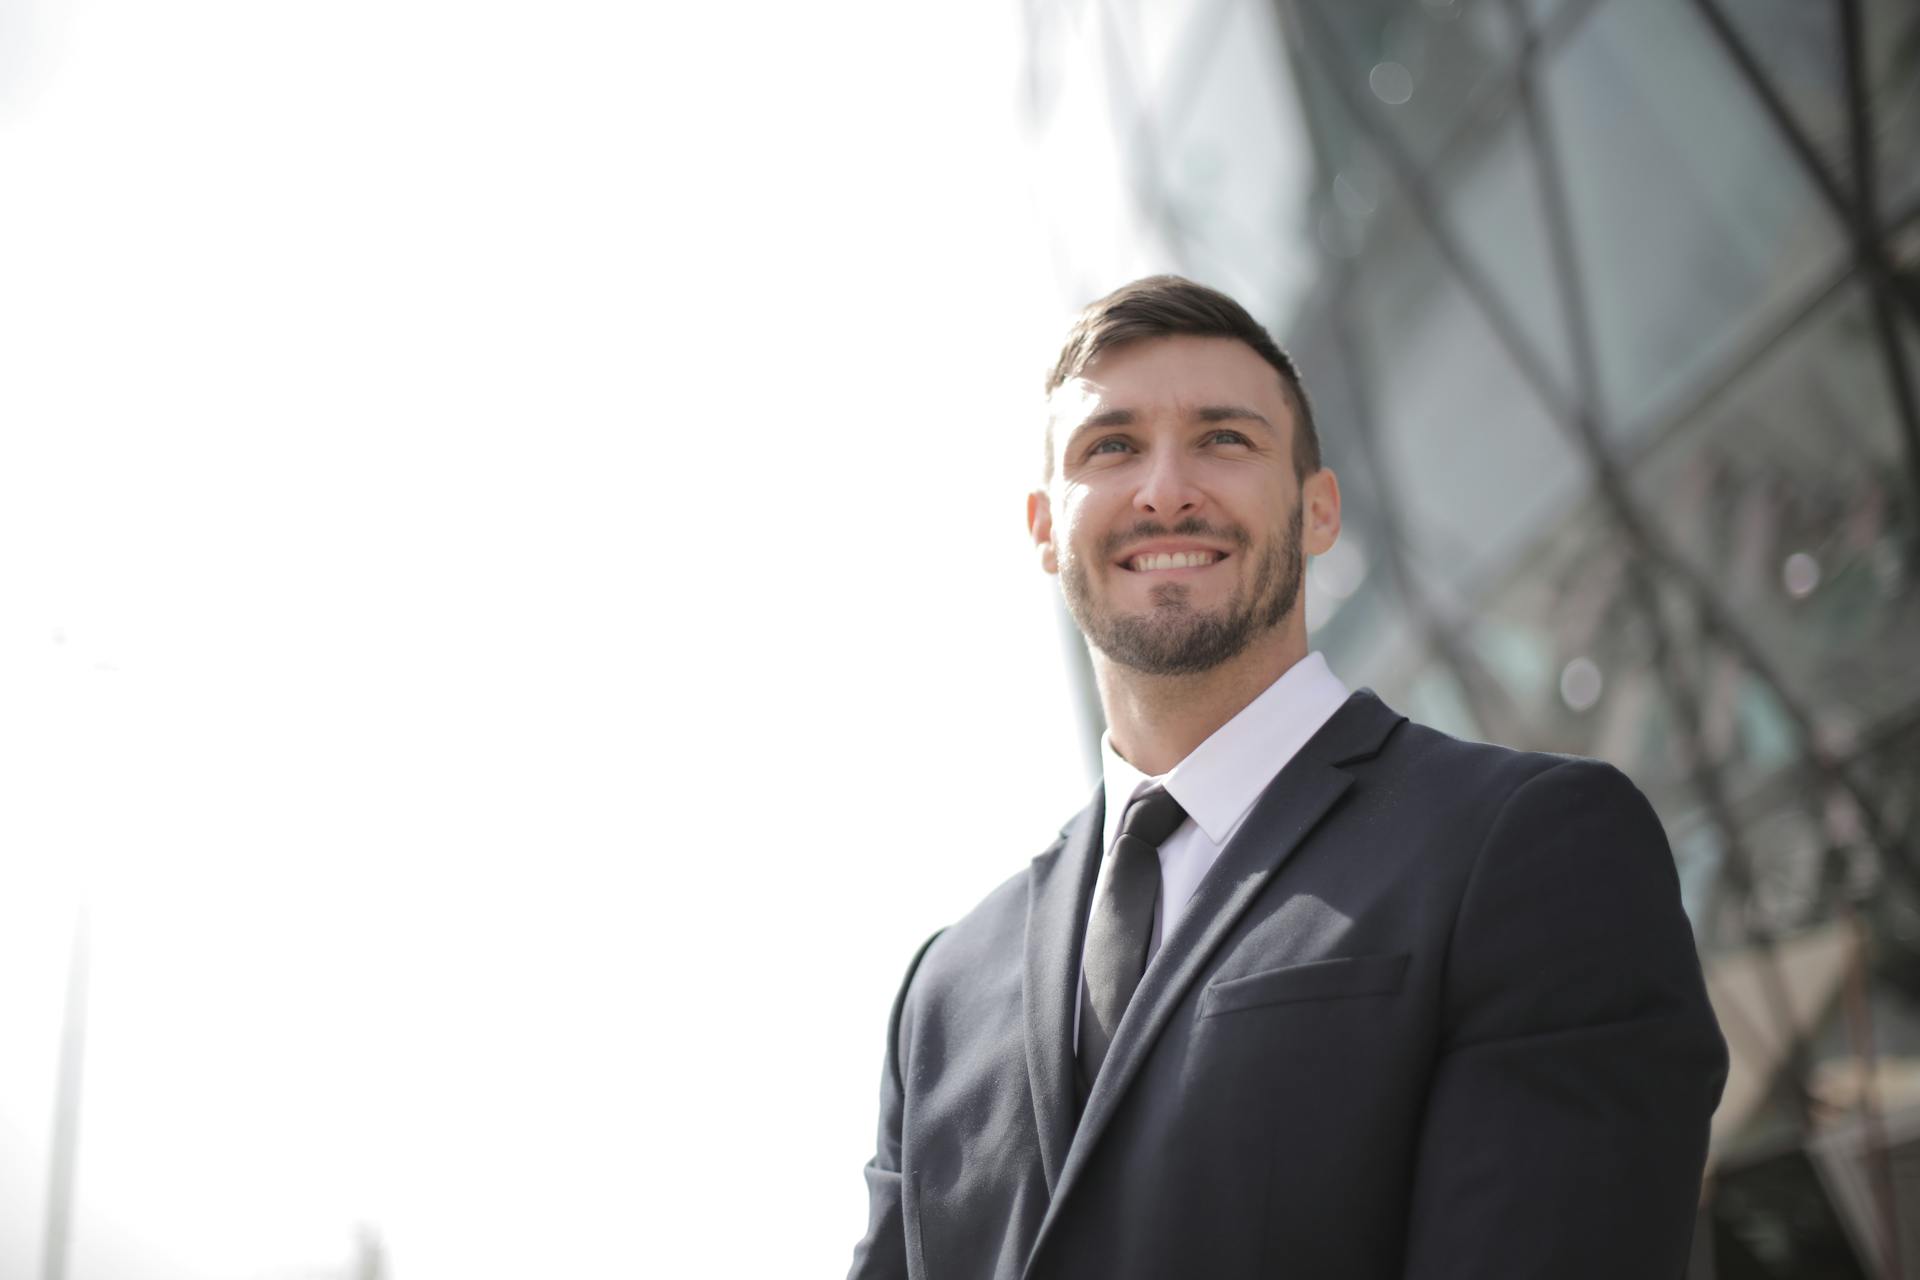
column 1093, row 401
column 1178, row 375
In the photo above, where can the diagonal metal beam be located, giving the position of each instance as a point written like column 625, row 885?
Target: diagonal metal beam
column 1858, row 220
column 1866, row 205
column 1651, row 429
column 1479, row 119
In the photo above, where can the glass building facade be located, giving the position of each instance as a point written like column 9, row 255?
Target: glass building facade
column 1610, row 310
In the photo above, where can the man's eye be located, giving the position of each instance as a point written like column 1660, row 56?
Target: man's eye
column 1229, row 437
column 1102, row 447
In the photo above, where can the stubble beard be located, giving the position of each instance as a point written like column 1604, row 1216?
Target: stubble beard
column 1172, row 637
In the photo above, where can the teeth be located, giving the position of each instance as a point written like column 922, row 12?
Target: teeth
column 1176, row 560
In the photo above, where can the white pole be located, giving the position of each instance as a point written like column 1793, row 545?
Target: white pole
column 66, row 1109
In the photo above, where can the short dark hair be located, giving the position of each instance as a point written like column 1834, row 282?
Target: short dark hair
column 1162, row 306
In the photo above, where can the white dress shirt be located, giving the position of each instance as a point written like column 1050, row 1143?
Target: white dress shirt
column 1216, row 784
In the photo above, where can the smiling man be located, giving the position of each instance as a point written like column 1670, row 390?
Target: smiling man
column 1308, row 989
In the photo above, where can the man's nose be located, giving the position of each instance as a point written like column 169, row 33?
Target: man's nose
column 1166, row 490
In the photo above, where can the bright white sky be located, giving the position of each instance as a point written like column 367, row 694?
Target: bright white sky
column 514, row 609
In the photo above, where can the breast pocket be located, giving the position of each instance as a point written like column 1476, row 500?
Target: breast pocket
column 1335, row 979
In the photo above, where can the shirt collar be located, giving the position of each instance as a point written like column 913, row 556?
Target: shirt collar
column 1221, row 778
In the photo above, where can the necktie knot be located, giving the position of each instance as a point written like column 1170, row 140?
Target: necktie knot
column 1152, row 817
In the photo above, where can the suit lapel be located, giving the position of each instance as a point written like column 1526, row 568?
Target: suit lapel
column 1281, row 819
column 1059, row 888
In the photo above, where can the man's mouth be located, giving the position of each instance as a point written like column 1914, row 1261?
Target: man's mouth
column 1154, row 561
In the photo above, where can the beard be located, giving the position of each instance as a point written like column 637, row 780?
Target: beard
column 1172, row 637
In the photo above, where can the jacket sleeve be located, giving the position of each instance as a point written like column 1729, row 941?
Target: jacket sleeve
column 882, row 1252
column 1566, row 1129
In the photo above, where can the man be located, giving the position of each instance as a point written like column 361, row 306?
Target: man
column 1308, row 990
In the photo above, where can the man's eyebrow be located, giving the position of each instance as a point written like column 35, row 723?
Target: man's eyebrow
column 1106, row 418
column 1231, row 413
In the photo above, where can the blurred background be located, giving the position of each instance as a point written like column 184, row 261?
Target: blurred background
column 511, row 563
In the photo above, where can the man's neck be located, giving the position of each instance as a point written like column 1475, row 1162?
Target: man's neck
column 1155, row 722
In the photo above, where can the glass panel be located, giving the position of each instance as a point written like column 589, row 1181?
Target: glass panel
column 1161, row 41
column 1565, row 637
column 1797, row 45
column 1477, row 467
column 1493, row 206
column 1326, row 368
column 1233, row 159
column 1746, row 733
column 1425, row 65
column 1372, row 639
column 1358, row 558
column 1694, row 225
column 1789, row 493
column 1366, row 632
column 1540, row 13
column 1698, row 858
column 1084, row 172
column 1434, row 697
column 1356, row 190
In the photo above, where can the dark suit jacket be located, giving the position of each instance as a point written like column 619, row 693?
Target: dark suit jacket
column 1435, row 1012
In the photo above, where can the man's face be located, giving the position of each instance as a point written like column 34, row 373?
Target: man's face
column 1174, row 516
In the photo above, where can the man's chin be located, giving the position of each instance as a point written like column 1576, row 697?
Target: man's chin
column 1162, row 647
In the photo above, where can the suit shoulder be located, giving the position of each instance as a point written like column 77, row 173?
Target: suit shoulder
column 1488, row 773
column 1582, row 817
column 1467, row 794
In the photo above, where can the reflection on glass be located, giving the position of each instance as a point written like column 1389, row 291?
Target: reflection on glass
column 1391, row 82
column 1581, row 683
column 1800, row 574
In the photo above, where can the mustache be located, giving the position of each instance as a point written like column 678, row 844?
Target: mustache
column 1191, row 527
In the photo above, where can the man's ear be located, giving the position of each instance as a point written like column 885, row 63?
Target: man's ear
column 1040, row 525
column 1320, row 498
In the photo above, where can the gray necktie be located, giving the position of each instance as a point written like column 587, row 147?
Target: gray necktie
column 1122, row 925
